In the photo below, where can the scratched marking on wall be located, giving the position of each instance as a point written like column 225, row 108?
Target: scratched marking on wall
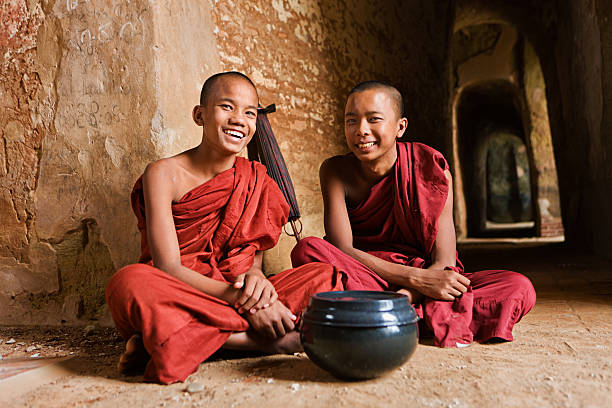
column 122, row 25
column 103, row 46
column 91, row 115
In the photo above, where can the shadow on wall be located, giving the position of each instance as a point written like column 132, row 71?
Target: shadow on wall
column 84, row 266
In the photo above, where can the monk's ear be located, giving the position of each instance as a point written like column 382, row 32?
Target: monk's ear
column 197, row 115
column 402, row 125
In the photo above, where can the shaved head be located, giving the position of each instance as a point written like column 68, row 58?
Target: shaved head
column 210, row 83
column 394, row 94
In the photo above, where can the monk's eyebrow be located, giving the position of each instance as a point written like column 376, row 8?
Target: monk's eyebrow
column 230, row 100
column 367, row 113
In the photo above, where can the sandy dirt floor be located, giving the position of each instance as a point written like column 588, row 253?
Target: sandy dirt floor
column 561, row 357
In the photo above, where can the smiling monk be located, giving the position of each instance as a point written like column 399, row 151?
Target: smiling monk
column 389, row 225
column 205, row 216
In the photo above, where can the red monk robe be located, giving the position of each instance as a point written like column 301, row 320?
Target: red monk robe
column 398, row 223
column 220, row 225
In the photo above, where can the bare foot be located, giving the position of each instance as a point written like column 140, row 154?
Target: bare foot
column 288, row 344
column 414, row 296
column 135, row 357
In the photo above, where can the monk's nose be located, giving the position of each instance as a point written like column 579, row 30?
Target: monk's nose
column 237, row 119
column 364, row 129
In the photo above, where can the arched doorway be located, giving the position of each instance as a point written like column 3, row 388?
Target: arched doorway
column 496, row 169
column 505, row 173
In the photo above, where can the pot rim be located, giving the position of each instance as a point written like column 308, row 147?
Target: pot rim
column 358, row 325
column 360, row 308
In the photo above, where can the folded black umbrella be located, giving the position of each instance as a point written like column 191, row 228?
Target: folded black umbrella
column 264, row 148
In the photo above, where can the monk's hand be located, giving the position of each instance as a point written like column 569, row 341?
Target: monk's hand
column 438, row 283
column 257, row 292
column 274, row 321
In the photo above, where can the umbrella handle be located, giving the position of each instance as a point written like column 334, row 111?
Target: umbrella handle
column 296, row 233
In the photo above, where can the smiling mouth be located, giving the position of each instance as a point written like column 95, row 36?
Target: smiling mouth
column 365, row 145
column 234, row 133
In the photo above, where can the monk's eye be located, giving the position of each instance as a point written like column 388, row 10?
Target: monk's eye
column 351, row 121
column 251, row 114
column 226, row 106
column 375, row 119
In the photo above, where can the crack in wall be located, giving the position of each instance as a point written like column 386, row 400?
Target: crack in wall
column 6, row 164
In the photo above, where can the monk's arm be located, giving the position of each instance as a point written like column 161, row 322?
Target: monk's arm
column 445, row 247
column 339, row 232
column 162, row 239
column 438, row 282
column 435, row 283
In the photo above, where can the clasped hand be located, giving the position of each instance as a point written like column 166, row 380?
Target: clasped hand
column 274, row 321
column 439, row 283
column 257, row 292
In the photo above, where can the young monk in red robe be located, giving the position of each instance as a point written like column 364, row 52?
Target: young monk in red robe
column 389, row 226
column 205, row 216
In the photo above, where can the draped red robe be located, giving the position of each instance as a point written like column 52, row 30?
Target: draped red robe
column 220, row 225
column 398, row 222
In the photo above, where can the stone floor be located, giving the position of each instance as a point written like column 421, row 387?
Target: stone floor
column 562, row 356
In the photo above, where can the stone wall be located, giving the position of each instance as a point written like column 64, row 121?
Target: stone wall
column 548, row 220
column 94, row 90
column 89, row 96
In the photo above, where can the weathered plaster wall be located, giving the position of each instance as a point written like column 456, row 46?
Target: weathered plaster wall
column 92, row 91
column 26, row 116
column 89, row 94
column 104, row 99
column 548, row 220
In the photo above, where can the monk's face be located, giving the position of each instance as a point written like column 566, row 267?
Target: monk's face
column 372, row 124
column 229, row 116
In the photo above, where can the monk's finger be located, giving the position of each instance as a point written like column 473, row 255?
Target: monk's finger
column 264, row 300
column 454, row 293
column 251, row 301
column 465, row 281
column 460, row 287
column 279, row 328
column 239, row 282
column 289, row 321
column 270, row 331
column 247, row 292
column 254, row 299
column 446, row 296
column 274, row 296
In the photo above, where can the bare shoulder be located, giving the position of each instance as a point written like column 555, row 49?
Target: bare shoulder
column 160, row 169
column 160, row 176
column 339, row 168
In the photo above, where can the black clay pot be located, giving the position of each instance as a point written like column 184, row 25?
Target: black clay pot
column 358, row 335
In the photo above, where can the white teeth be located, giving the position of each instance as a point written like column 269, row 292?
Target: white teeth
column 365, row 145
column 234, row 133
